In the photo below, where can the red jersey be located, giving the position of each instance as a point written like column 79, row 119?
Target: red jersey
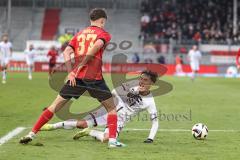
column 178, row 60
column 53, row 56
column 238, row 58
column 81, row 43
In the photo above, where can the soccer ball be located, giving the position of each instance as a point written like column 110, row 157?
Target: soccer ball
column 199, row 131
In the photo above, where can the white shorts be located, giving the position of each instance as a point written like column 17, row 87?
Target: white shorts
column 29, row 62
column 194, row 66
column 99, row 118
column 4, row 61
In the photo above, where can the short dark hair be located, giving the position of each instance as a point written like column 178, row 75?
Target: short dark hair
column 97, row 13
column 152, row 75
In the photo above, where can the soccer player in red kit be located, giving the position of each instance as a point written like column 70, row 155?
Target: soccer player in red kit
column 52, row 53
column 87, row 46
column 238, row 60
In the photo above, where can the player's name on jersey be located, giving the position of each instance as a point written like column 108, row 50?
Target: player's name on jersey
column 88, row 31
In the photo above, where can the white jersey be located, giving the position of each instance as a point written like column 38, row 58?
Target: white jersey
column 5, row 49
column 127, row 107
column 29, row 55
column 195, row 57
column 130, row 106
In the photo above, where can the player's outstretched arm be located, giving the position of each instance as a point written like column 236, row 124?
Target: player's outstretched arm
column 153, row 131
column 152, row 110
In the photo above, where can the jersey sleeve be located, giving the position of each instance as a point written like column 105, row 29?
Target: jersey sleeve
column 120, row 91
column 73, row 42
column 130, row 84
column 105, row 37
column 152, row 110
column 200, row 54
column 10, row 45
column 125, row 88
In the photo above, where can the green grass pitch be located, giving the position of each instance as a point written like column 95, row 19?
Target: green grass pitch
column 212, row 101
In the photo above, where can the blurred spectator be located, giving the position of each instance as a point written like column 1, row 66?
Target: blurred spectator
column 145, row 19
column 197, row 20
column 161, row 60
column 135, row 58
column 144, row 6
column 65, row 38
column 149, row 48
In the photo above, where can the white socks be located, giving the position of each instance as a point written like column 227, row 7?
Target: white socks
column 70, row 124
column 32, row 135
column 112, row 140
column 4, row 74
column 29, row 73
column 98, row 134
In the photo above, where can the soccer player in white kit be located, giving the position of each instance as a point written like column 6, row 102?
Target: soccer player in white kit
column 194, row 56
column 130, row 98
column 5, row 55
column 29, row 55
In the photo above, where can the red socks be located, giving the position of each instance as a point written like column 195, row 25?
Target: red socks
column 43, row 119
column 112, row 125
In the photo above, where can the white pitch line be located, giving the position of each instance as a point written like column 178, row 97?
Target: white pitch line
column 169, row 130
column 178, row 130
column 11, row 134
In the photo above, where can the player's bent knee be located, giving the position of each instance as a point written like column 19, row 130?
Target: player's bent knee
column 109, row 105
column 106, row 137
column 57, row 104
column 81, row 124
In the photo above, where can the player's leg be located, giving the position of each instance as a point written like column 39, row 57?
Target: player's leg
column 104, row 136
column 67, row 92
column 4, row 75
column 177, row 69
column 99, row 135
column 30, row 71
column 193, row 75
column 51, row 68
column 180, row 68
column 192, row 65
column 97, row 117
column 68, row 124
column 47, row 114
column 111, row 119
column 30, row 67
column 112, row 122
column 195, row 69
column 4, row 64
column 100, row 91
